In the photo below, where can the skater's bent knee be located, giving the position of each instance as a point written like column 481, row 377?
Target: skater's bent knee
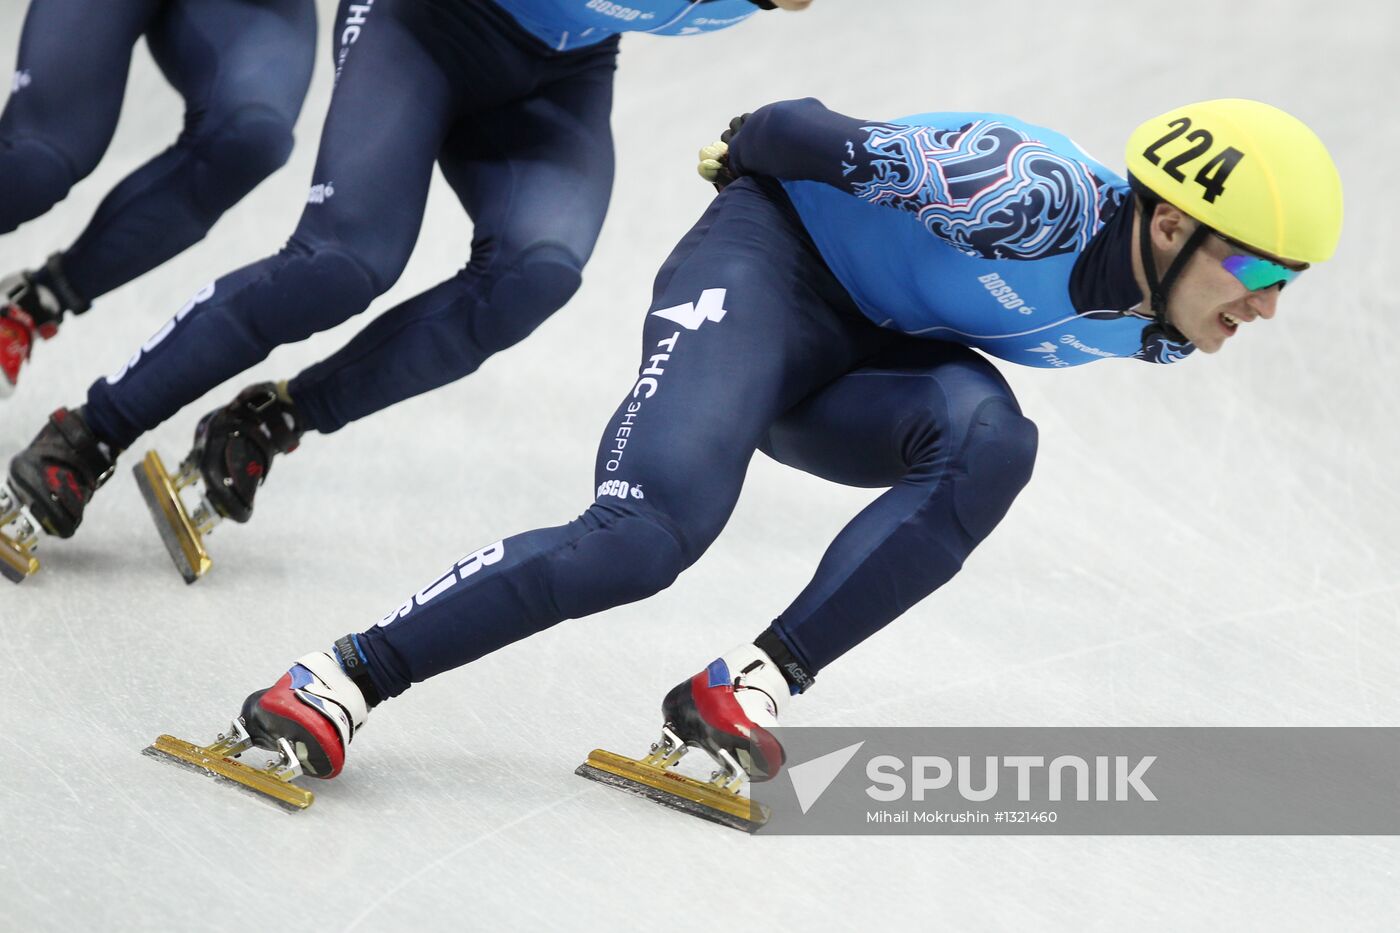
column 34, row 176
column 625, row 559
column 244, row 148
column 325, row 285
column 997, row 459
column 528, row 287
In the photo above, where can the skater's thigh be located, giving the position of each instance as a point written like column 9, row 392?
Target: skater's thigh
column 914, row 400
column 388, row 118
column 735, row 335
column 71, row 75
column 538, row 170
column 227, row 56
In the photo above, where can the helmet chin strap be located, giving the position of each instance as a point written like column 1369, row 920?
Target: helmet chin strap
column 1158, row 288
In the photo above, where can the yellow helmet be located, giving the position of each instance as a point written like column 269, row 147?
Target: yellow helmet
column 1246, row 170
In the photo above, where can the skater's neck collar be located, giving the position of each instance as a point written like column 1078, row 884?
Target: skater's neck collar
column 1102, row 278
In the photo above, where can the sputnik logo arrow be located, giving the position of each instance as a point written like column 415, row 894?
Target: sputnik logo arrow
column 811, row 778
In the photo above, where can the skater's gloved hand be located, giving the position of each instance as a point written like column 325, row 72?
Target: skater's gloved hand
column 714, row 159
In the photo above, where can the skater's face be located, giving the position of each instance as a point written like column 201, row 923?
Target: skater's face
column 1207, row 303
column 793, row 4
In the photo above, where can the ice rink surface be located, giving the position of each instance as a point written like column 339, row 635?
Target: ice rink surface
column 1210, row 544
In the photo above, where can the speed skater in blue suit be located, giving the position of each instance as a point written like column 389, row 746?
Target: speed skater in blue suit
column 835, row 308
column 512, row 99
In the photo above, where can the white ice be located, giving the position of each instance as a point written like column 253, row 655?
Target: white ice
column 1205, row 544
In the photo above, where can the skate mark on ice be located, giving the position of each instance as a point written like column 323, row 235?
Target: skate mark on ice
column 448, row 856
column 1189, row 631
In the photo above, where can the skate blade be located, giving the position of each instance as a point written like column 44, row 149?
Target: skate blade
column 666, row 787
column 213, row 760
column 17, row 560
column 177, row 532
column 17, row 563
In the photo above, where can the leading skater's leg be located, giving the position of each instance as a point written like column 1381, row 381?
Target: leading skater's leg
column 745, row 322
column 937, row 424
column 535, row 176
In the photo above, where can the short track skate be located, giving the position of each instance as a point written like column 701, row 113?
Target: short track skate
column 654, row 777
column 19, row 538
column 219, row 759
column 182, row 528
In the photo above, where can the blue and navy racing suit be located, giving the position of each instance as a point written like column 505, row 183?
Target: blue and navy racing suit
column 824, row 310
column 242, row 67
column 987, row 240
column 518, row 125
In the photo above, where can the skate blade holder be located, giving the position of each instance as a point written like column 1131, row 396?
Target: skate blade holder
column 19, row 538
column 182, row 531
column 654, row 778
column 219, row 760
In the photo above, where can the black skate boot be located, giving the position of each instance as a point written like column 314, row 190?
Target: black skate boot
column 56, row 475
column 28, row 312
column 234, row 447
column 233, row 451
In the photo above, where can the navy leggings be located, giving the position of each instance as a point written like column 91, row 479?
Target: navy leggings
column 750, row 344
column 242, row 66
column 522, row 135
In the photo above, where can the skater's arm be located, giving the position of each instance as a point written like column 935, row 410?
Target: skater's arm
column 801, row 140
column 984, row 186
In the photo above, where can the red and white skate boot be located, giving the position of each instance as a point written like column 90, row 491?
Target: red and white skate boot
column 315, row 707
column 28, row 311
column 728, row 708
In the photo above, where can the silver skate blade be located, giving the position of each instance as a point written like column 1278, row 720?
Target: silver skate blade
column 676, row 791
column 178, row 533
column 214, row 760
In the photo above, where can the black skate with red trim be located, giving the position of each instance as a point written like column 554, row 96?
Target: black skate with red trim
column 306, row 720
column 727, row 710
column 234, row 447
column 51, row 482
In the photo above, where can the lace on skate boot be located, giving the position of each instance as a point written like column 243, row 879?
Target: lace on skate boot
column 305, row 720
column 233, row 451
column 56, row 475
column 726, row 710
column 27, row 310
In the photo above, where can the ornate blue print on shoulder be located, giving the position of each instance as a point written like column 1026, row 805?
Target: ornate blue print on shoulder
column 986, row 188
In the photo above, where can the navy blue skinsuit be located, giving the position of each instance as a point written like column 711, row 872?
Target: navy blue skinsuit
column 783, row 322
column 242, row 66
column 512, row 99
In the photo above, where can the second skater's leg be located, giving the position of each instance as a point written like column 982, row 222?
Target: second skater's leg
column 515, row 168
